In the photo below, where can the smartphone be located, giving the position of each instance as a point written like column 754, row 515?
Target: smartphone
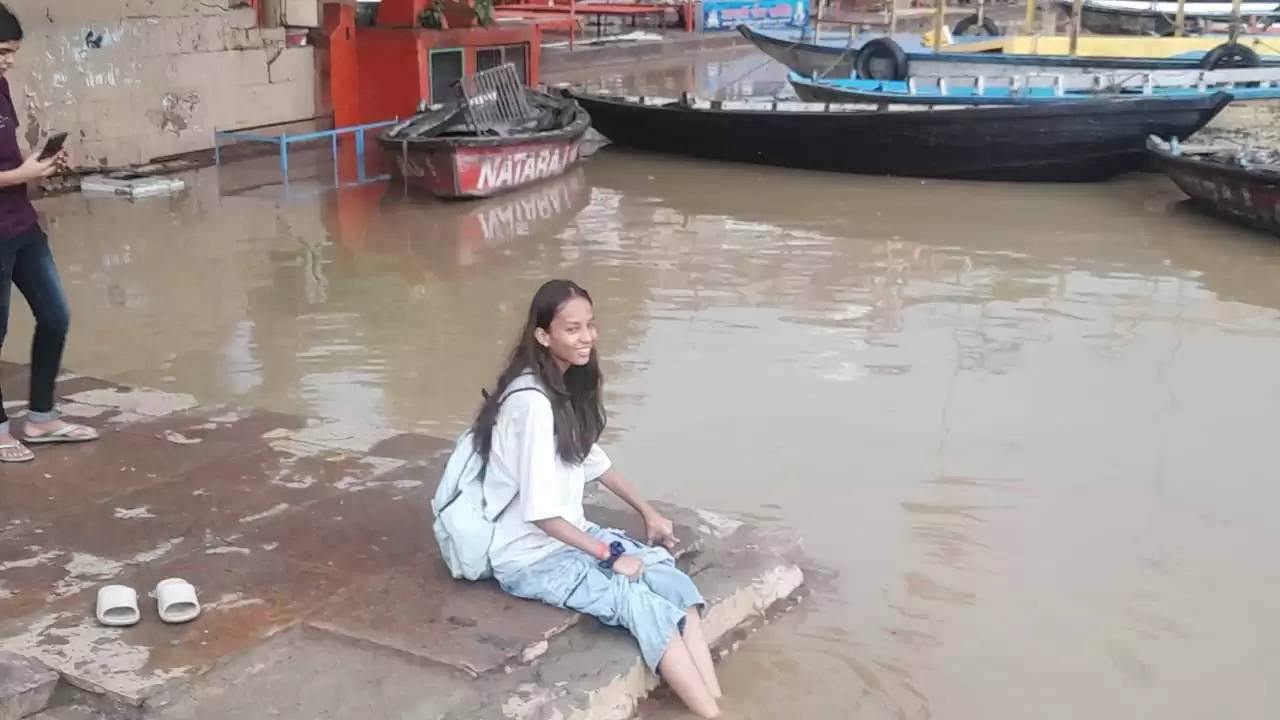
column 53, row 145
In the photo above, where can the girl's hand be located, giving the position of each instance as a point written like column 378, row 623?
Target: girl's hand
column 660, row 531
column 62, row 160
column 35, row 168
column 630, row 566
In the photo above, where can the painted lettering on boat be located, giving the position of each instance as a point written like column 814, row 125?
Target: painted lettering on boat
column 524, row 166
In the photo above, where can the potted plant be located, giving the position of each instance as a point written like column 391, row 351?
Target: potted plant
column 449, row 14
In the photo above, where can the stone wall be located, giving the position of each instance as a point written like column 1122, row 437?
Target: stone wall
column 133, row 80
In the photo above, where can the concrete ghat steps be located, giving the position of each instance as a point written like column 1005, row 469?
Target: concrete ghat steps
column 26, row 686
column 587, row 672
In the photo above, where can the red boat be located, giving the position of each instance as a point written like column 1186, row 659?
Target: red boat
column 499, row 136
column 1239, row 185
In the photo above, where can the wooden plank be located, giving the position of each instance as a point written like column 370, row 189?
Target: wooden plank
column 1077, row 15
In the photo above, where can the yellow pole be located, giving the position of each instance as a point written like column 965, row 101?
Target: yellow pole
column 1031, row 17
column 1235, row 21
column 1179, row 27
column 939, row 20
column 893, row 17
column 1077, row 11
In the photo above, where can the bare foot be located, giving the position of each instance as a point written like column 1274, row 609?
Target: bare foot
column 13, row 451
column 70, row 432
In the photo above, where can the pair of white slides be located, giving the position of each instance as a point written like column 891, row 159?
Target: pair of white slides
column 175, row 599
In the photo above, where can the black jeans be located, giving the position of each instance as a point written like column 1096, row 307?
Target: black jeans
column 27, row 261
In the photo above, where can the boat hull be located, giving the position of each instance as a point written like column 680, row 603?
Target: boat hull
column 822, row 61
column 1057, row 142
column 864, row 91
column 1247, row 197
column 470, row 171
column 472, row 166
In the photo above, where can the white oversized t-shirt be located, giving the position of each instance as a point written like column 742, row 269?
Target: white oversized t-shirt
column 523, row 460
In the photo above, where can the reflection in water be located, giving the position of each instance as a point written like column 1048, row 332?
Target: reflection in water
column 1025, row 430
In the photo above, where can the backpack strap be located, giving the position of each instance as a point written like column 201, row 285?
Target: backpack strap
column 523, row 389
column 503, row 399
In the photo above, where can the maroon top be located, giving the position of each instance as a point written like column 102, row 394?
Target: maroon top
column 17, row 215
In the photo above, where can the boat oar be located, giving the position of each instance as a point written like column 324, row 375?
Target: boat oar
column 1077, row 13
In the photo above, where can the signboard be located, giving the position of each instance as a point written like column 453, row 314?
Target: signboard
column 728, row 14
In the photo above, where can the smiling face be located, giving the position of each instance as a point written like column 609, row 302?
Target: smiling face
column 571, row 336
column 8, row 52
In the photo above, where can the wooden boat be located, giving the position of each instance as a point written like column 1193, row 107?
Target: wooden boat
column 1067, row 142
column 1147, row 17
column 455, row 151
column 1239, row 185
column 1241, row 84
column 884, row 59
column 1197, row 48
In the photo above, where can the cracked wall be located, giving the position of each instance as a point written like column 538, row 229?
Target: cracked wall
column 133, row 80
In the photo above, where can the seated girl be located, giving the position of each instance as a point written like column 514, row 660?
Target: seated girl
column 538, row 433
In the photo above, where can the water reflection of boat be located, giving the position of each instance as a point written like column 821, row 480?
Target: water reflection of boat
column 425, row 226
column 1239, row 185
column 981, row 218
column 1240, row 267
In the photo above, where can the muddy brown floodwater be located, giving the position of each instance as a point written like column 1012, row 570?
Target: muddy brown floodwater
column 1027, row 431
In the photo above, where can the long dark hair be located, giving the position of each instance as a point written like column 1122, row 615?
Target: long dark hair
column 10, row 27
column 575, row 395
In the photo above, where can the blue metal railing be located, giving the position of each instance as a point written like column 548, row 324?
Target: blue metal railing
column 284, row 140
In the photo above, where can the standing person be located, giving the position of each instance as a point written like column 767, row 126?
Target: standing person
column 540, row 451
column 26, row 261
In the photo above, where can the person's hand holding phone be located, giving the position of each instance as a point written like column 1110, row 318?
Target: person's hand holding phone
column 36, row 169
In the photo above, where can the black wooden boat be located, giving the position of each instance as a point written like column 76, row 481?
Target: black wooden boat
column 1240, row 185
column 1064, row 142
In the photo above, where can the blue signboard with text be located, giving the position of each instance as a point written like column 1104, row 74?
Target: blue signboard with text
column 728, row 14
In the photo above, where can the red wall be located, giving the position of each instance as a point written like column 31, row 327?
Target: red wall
column 378, row 73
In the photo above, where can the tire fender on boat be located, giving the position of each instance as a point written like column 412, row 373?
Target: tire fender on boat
column 1230, row 55
column 967, row 25
column 881, row 59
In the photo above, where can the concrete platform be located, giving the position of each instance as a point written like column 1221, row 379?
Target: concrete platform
column 323, row 592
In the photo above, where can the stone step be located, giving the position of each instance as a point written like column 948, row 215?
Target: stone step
column 26, row 686
column 592, row 672
column 585, row 672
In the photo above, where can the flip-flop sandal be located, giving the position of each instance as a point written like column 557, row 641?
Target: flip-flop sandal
column 176, row 601
column 65, row 434
column 118, row 606
column 27, row 456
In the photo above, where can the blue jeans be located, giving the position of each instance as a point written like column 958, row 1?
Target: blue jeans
column 27, row 262
column 652, row 608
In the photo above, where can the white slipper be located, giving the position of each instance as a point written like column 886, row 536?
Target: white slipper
column 118, row 606
column 176, row 599
column 69, row 433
